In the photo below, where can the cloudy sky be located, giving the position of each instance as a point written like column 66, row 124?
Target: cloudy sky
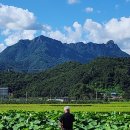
column 66, row 20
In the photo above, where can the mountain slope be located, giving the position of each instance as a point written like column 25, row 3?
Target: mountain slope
column 73, row 79
column 42, row 53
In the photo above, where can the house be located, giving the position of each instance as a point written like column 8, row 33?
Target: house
column 4, row 92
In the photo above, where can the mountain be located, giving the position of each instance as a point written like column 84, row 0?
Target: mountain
column 104, row 75
column 42, row 53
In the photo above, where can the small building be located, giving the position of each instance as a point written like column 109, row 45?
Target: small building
column 56, row 99
column 4, row 92
column 115, row 96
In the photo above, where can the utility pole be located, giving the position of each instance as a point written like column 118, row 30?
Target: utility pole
column 50, row 93
column 26, row 96
column 96, row 95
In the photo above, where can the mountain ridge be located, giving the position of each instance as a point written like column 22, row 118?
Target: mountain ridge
column 43, row 52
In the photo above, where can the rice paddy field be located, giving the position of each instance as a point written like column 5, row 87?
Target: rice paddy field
column 115, row 106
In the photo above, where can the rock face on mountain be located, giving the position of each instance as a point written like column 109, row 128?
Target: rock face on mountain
column 42, row 53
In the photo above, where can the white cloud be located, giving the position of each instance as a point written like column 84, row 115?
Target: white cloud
column 89, row 9
column 125, row 45
column 73, row 1
column 74, row 33
column 14, row 18
column 55, row 35
column 71, row 34
column 115, row 29
column 17, row 23
column 15, row 36
column 2, row 47
column 5, row 32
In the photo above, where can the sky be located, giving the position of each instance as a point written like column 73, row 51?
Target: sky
column 69, row 21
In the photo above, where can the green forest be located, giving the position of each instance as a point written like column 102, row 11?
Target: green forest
column 82, row 81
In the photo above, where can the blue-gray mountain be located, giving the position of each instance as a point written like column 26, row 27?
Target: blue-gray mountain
column 42, row 53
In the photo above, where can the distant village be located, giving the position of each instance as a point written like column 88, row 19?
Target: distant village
column 4, row 94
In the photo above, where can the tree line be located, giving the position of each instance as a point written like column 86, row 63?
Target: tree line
column 72, row 79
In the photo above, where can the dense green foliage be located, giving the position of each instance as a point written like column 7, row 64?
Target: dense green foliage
column 19, row 120
column 103, row 75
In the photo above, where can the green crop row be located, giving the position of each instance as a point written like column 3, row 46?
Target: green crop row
column 118, row 107
column 21, row 120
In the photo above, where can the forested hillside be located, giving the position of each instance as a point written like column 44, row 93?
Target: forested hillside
column 72, row 79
